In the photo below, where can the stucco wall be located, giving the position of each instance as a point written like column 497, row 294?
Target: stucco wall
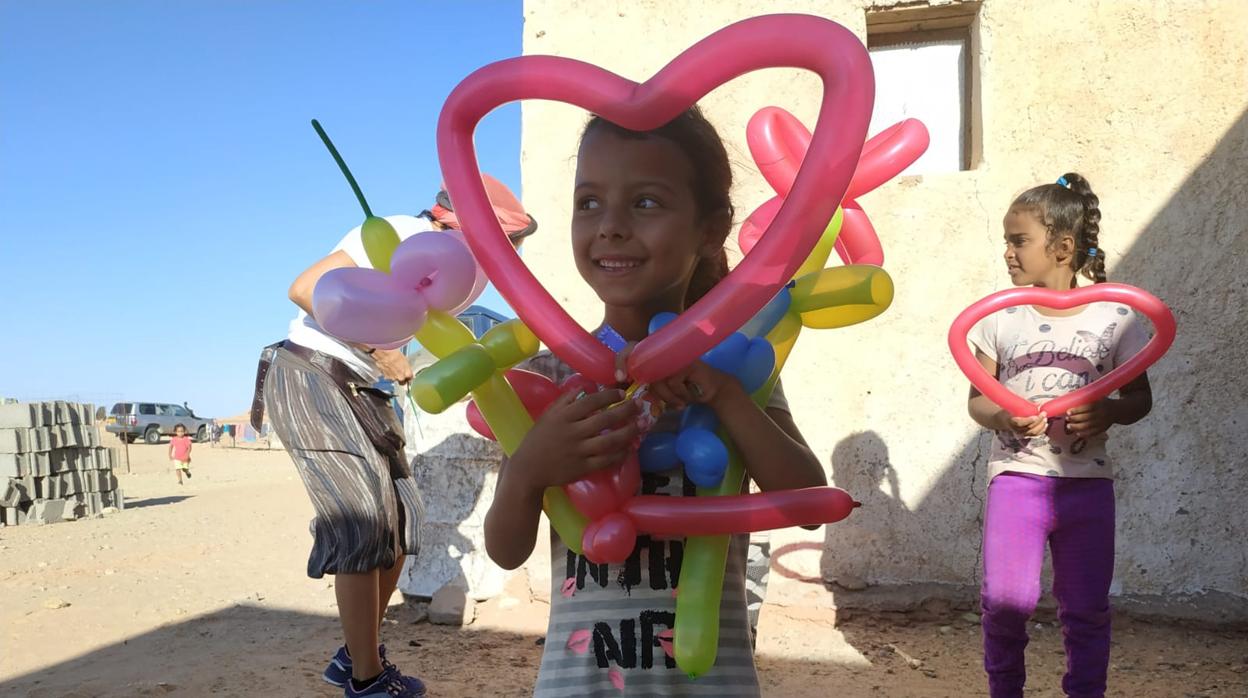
column 1148, row 101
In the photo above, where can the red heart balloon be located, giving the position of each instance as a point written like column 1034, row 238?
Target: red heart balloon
column 773, row 41
column 1141, row 300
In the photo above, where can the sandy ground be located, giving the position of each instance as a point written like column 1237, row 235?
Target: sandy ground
column 199, row 590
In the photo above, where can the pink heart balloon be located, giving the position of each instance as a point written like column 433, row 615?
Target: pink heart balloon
column 479, row 281
column 366, row 306
column 437, row 266
column 793, row 41
column 1141, row 300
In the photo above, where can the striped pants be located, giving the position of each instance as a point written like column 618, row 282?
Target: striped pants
column 368, row 510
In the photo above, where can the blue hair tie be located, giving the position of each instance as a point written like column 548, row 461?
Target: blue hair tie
column 1091, row 251
column 1062, row 181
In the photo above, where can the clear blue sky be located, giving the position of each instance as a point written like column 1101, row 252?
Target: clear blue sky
column 160, row 184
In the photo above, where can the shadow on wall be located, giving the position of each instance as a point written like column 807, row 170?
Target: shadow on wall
column 1180, row 486
column 862, row 466
column 452, row 478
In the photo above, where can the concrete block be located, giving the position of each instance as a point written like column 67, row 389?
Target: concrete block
column 40, row 463
column 14, row 440
column 61, row 410
column 451, row 606
column 10, row 493
column 21, row 415
column 31, row 440
column 47, row 414
column 115, row 499
column 25, row 487
column 46, row 511
column 47, row 487
column 75, row 482
column 10, row 516
column 12, row 465
column 107, row 481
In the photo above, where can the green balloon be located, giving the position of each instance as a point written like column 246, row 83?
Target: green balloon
column 379, row 239
column 447, row 382
column 510, row 343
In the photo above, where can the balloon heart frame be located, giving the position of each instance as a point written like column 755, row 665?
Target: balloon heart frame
column 789, row 41
column 1139, row 299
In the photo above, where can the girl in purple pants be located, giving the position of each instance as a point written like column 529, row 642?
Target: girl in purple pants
column 1049, row 478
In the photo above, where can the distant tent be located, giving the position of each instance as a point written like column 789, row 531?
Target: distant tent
column 244, row 433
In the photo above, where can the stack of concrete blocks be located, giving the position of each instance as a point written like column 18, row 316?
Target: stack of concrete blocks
column 52, row 467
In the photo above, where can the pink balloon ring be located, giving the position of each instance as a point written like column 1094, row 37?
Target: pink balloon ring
column 1141, row 300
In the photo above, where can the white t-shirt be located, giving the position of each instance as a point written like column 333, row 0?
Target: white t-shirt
column 1041, row 357
column 304, row 330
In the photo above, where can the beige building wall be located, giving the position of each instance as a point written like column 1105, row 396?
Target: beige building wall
column 1148, row 100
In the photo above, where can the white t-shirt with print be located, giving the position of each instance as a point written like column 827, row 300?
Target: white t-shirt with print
column 1041, row 357
column 304, row 329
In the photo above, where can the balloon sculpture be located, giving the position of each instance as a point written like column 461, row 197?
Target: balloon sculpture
column 747, row 324
column 1141, row 300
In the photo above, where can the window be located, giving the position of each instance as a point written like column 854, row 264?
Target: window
column 147, row 408
column 180, row 411
column 924, row 69
column 121, row 408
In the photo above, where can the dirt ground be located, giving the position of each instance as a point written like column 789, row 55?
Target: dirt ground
column 200, row 590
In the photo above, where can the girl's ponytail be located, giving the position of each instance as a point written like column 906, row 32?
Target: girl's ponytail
column 1089, row 258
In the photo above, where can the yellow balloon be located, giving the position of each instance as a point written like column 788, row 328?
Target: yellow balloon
column 503, row 346
column 842, row 296
column 443, row 334
column 510, row 342
column 445, row 383
column 380, row 239
column 823, row 249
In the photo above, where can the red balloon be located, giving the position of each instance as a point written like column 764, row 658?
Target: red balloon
column 858, row 243
column 595, row 495
column 609, row 540
column 886, row 154
column 778, row 143
column 758, row 222
column 1141, row 300
column 535, row 390
column 745, row 513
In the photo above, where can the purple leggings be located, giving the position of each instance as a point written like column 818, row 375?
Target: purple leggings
column 1075, row 516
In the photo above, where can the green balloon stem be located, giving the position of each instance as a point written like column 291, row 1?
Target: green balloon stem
column 346, row 172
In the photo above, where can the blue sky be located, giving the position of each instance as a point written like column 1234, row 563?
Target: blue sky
column 160, row 184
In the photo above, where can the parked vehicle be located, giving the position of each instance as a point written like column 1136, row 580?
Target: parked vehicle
column 151, row 420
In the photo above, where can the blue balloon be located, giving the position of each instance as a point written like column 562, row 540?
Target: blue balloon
column 699, row 417
column 657, row 452
column 729, row 355
column 658, row 321
column 704, row 456
column 760, row 359
column 766, row 319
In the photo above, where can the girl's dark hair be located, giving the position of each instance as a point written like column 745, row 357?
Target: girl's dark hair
column 712, row 181
column 1070, row 208
column 178, row 426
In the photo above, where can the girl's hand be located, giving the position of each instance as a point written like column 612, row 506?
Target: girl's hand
column 699, row 383
column 393, row 365
column 1028, row 427
column 1089, row 420
column 577, row 434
